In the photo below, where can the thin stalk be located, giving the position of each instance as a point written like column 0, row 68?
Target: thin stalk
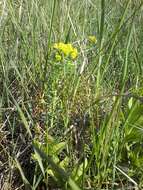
column 100, row 42
column 49, row 42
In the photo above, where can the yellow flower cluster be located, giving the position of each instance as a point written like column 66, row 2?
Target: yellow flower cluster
column 92, row 39
column 66, row 49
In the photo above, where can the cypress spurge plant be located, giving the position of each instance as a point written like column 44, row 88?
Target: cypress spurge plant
column 70, row 94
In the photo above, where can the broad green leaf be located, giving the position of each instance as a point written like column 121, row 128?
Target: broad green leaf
column 79, row 170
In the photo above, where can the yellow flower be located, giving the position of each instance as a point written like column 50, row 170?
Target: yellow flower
column 69, row 47
column 74, row 53
column 92, row 39
column 58, row 57
column 66, row 49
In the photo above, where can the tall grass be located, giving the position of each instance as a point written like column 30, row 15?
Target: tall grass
column 71, row 124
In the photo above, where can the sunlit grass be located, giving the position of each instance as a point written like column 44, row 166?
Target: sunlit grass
column 71, row 101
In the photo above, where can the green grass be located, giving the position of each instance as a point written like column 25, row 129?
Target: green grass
column 73, row 124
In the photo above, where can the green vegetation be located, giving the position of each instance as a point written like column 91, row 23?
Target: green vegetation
column 71, row 94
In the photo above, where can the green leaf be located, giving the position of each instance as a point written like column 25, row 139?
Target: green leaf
column 79, row 170
column 61, row 174
column 130, row 103
column 39, row 160
column 26, row 182
column 57, row 148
